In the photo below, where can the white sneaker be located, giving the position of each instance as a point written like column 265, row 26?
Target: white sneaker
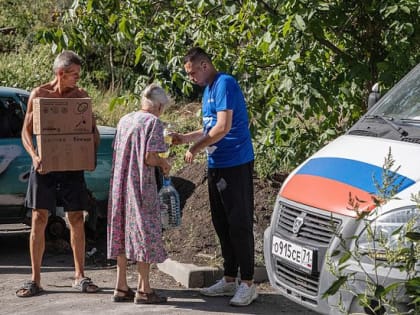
column 220, row 288
column 244, row 295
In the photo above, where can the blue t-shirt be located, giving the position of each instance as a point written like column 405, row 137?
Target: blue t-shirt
column 236, row 147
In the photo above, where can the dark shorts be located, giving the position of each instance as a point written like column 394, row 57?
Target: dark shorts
column 66, row 189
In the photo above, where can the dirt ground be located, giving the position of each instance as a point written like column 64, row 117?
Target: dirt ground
column 195, row 241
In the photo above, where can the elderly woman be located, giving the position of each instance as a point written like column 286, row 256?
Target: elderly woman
column 134, row 226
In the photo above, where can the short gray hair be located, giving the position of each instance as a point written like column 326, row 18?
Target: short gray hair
column 65, row 59
column 153, row 95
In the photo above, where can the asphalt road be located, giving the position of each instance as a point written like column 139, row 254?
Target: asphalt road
column 60, row 298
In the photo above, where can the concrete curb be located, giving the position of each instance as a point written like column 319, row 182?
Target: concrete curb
column 192, row 276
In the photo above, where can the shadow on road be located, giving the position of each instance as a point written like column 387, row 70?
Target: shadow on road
column 193, row 300
column 58, row 256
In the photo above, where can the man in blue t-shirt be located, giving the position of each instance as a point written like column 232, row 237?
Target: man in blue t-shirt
column 226, row 138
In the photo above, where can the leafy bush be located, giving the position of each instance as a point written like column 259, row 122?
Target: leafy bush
column 398, row 249
column 27, row 68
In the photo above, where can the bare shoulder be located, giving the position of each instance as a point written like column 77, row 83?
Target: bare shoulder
column 45, row 90
column 82, row 93
column 77, row 92
column 37, row 92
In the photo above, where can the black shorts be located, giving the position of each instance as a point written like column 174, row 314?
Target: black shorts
column 66, row 189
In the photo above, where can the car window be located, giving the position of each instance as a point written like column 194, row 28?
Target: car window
column 11, row 118
column 24, row 98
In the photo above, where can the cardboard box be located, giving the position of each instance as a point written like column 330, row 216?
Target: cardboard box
column 62, row 115
column 66, row 152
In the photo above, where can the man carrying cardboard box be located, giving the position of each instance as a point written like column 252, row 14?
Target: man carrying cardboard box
column 42, row 188
column 63, row 129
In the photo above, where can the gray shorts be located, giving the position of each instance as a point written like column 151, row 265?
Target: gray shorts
column 67, row 189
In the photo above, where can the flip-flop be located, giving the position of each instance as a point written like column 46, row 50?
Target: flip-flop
column 29, row 288
column 149, row 298
column 128, row 296
column 84, row 284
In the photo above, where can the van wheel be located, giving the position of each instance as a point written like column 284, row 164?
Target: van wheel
column 102, row 210
column 56, row 228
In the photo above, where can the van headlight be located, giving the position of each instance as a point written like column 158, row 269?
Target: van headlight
column 386, row 234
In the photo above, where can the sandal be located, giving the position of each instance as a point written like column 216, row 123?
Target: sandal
column 149, row 298
column 29, row 288
column 128, row 296
column 85, row 285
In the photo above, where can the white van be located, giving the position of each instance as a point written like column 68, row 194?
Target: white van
column 315, row 197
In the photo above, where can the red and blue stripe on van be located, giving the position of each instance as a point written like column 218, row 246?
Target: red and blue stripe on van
column 327, row 183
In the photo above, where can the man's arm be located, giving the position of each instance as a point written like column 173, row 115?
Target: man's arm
column 222, row 127
column 27, row 132
column 178, row 138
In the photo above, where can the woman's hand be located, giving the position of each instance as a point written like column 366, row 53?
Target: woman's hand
column 166, row 167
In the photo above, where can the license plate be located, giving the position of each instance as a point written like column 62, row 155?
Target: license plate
column 293, row 253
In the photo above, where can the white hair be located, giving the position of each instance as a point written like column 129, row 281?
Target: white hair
column 66, row 59
column 153, row 96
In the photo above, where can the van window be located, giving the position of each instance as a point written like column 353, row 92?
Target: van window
column 403, row 101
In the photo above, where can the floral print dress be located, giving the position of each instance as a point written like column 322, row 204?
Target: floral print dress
column 134, row 226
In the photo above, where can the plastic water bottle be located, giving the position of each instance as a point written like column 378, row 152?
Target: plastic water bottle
column 170, row 207
column 168, row 140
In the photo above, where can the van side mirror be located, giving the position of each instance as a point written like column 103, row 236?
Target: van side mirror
column 374, row 95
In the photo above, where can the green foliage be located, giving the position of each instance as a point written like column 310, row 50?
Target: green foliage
column 399, row 251
column 111, row 108
column 305, row 66
column 25, row 63
column 23, row 18
column 27, row 68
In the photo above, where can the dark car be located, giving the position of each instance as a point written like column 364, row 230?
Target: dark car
column 15, row 166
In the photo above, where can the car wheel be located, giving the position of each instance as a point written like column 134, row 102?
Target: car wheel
column 56, row 228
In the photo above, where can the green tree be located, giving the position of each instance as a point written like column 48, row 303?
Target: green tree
column 305, row 66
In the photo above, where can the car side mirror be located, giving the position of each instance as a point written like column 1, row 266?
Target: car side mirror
column 374, row 95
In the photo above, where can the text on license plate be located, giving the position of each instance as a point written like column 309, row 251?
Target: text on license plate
column 292, row 252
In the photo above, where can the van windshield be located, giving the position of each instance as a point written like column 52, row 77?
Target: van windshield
column 403, row 101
